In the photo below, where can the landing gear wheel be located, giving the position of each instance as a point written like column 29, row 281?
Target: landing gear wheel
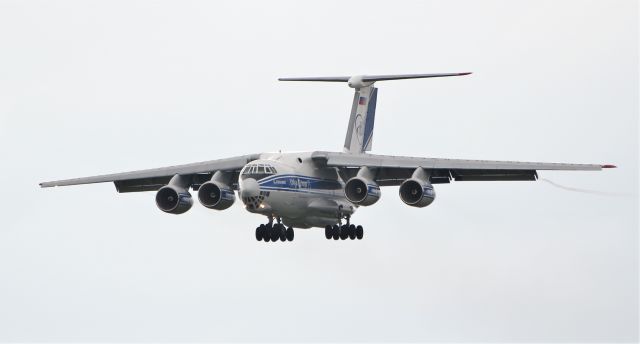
column 352, row 231
column 259, row 233
column 283, row 233
column 359, row 232
column 275, row 232
column 344, row 232
column 328, row 232
column 335, row 232
column 266, row 232
column 289, row 234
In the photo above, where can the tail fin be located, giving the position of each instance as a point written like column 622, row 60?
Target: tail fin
column 363, row 116
column 363, row 110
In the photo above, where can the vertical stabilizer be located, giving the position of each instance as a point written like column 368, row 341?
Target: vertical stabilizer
column 363, row 114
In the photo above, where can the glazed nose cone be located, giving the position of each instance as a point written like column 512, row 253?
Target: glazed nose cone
column 249, row 188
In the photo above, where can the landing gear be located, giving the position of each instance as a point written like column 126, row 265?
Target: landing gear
column 344, row 231
column 274, row 232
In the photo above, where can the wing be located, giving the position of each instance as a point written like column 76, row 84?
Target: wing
column 155, row 178
column 393, row 170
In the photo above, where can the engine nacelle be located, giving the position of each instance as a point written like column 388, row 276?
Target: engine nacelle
column 362, row 191
column 173, row 199
column 417, row 193
column 216, row 195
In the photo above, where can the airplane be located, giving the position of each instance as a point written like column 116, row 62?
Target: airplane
column 318, row 189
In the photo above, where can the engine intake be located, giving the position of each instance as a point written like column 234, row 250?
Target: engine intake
column 362, row 191
column 173, row 200
column 216, row 195
column 417, row 192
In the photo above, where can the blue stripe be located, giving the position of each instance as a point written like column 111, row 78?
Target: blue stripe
column 292, row 181
column 296, row 190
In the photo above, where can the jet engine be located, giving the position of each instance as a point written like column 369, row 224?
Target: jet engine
column 216, row 195
column 362, row 191
column 173, row 199
column 417, row 191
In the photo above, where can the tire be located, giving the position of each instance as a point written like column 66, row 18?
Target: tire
column 275, row 232
column 352, row 231
column 266, row 232
column 328, row 232
column 283, row 233
column 290, row 234
column 335, row 232
column 344, row 232
column 359, row 232
column 258, row 233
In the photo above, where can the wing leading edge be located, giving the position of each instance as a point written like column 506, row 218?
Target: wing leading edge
column 155, row 178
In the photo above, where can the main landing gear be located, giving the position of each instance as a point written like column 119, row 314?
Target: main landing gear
column 274, row 232
column 343, row 232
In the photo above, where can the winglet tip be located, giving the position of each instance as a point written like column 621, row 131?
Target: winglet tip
column 608, row 166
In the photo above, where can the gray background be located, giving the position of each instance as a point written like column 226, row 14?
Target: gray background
column 95, row 87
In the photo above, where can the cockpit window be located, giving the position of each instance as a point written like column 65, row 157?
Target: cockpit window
column 258, row 171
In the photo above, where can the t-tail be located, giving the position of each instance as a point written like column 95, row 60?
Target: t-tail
column 363, row 110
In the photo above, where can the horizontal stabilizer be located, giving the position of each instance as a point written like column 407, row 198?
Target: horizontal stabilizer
column 373, row 78
column 319, row 78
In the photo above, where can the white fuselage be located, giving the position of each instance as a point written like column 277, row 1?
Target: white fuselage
column 290, row 186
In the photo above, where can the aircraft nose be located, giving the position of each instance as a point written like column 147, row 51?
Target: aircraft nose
column 249, row 188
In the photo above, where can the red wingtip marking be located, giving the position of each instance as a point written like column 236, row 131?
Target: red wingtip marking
column 465, row 73
column 609, row 166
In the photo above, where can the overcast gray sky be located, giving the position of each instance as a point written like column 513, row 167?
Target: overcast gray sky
column 90, row 87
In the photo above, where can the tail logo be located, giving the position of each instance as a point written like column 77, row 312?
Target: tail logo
column 359, row 128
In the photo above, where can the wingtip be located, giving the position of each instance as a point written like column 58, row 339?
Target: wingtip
column 465, row 73
column 608, row 166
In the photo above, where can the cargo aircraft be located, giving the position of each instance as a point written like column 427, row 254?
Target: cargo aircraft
column 318, row 189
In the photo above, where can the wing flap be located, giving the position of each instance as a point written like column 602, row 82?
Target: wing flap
column 143, row 184
column 493, row 175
